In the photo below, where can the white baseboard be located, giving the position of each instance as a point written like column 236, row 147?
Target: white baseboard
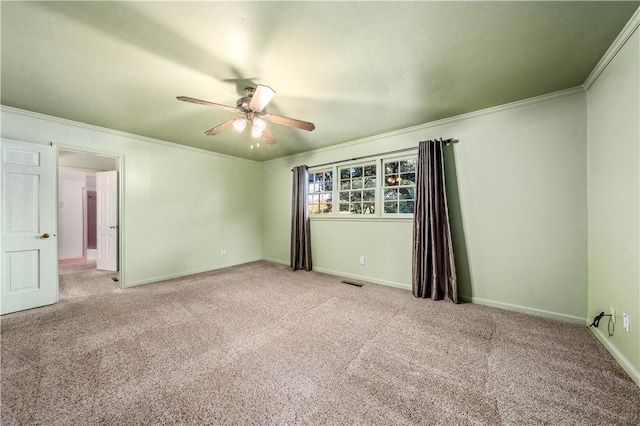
column 345, row 275
column 510, row 307
column 92, row 254
column 619, row 357
column 525, row 309
column 186, row 273
column 282, row 262
column 363, row 278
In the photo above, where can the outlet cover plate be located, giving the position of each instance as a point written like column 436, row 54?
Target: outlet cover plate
column 626, row 323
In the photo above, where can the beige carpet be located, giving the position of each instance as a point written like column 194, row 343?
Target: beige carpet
column 258, row 344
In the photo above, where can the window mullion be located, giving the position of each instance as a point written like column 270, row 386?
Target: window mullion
column 379, row 177
column 334, row 192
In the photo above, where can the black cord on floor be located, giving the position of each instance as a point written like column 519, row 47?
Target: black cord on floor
column 596, row 320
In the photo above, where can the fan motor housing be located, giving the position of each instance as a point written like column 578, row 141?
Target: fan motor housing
column 243, row 103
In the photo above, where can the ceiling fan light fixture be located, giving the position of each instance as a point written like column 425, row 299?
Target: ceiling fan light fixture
column 255, row 132
column 259, row 123
column 257, row 127
column 240, row 124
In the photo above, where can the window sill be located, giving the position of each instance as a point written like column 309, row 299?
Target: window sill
column 360, row 218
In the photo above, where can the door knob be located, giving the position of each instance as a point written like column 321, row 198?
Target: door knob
column 45, row 235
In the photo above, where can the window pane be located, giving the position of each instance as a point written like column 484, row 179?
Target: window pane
column 390, row 207
column 370, row 182
column 406, row 206
column 369, row 195
column 391, row 194
column 369, row 208
column 356, row 208
column 355, row 196
column 391, row 180
column 408, row 179
column 345, row 174
column 406, row 193
column 344, row 208
column 408, row 165
column 344, row 196
column 356, row 183
column 370, row 170
column 356, row 172
column 345, row 184
column 328, row 181
column 391, row 168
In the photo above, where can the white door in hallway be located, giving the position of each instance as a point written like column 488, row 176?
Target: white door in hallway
column 29, row 244
column 107, row 219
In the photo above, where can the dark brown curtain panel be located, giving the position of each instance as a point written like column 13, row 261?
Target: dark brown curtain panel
column 300, row 225
column 434, row 270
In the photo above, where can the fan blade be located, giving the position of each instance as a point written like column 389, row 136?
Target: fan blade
column 268, row 137
column 291, row 122
column 261, row 98
column 220, row 127
column 207, row 103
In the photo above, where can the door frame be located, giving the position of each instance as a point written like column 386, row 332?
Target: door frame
column 119, row 158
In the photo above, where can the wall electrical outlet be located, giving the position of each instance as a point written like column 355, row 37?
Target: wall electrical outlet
column 626, row 323
column 612, row 312
column 224, row 251
column 362, row 260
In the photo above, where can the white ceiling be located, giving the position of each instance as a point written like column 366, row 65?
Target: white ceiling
column 355, row 69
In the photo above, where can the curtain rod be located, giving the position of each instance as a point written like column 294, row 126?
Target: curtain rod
column 445, row 141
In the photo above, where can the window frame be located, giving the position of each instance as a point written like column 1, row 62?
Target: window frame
column 379, row 214
column 383, row 186
column 361, row 189
column 320, row 193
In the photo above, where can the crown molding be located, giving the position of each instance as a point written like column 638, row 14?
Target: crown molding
column 487, row 111
column 613, row 50
column 118, row 133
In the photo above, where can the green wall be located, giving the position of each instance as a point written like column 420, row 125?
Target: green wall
column 520, row 182
column 613, row 104
column 182, row 206
column 517, row 184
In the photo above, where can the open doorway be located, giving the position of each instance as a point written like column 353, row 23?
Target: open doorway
column 88, row 211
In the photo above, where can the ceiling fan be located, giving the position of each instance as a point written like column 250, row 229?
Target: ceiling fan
column 253, row 110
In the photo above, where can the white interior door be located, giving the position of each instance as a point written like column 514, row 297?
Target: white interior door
column 107, row 218
column 29, row 244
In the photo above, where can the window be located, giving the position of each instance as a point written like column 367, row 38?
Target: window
column 321, row 192
column 381, row 187
column 358, row 189
column 399, row 186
